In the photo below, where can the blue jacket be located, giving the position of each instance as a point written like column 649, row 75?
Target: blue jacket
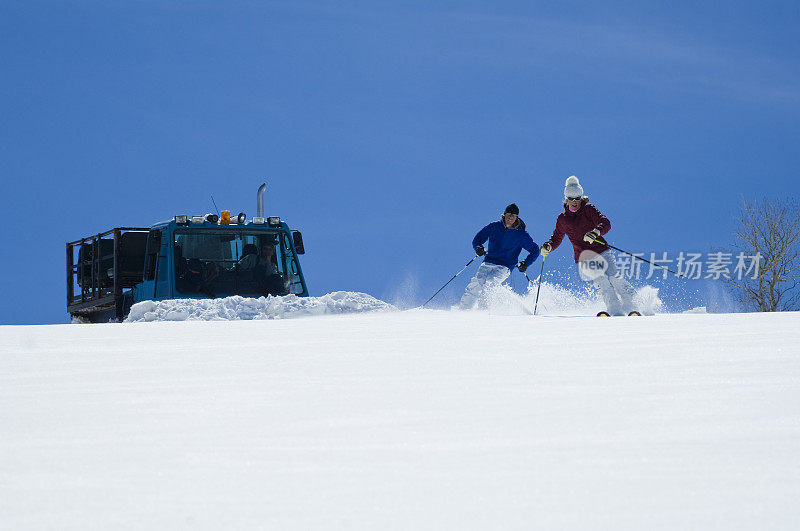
column 506, row 244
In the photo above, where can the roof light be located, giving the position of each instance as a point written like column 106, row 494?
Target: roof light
column 274, row 221
column 197, row 220
column 225, row 217
column 212, row 218
column 241, row 218
column 182, row 219
column 258, row 220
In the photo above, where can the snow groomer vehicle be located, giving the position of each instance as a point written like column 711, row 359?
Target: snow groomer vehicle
column 214, row 255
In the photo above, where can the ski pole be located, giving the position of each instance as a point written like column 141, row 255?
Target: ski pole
column 449, row 281
column 637, row 257
column 535, row 306
column 538, row 288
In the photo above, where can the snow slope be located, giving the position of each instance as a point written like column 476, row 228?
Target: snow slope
column 403, row 420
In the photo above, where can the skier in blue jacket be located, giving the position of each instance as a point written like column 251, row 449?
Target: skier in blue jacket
column 507, row 238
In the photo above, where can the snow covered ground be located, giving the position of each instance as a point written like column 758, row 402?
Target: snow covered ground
column 421, row 419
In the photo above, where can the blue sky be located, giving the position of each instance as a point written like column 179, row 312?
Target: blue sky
column 389, row 132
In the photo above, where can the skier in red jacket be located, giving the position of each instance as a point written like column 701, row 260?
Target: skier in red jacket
column 585, row 226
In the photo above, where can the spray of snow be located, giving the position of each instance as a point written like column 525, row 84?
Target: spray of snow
column 407, row 293
column 555, row 299
column 238, row 308
column 699, row 309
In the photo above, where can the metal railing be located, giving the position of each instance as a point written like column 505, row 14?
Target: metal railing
column 88, row 288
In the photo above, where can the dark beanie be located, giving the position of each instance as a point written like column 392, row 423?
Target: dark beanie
column 512, row 209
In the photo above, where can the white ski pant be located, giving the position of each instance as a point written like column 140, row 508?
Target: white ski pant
column 487, row 276
column 616, row 292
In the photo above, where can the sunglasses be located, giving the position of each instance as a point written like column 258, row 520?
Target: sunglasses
column 574, row 198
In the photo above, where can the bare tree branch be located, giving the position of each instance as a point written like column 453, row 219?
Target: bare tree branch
column 772, row 230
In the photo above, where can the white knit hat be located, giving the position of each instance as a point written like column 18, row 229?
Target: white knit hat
column 573, row 188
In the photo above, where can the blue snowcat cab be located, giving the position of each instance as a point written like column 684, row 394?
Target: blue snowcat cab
column 187, row 257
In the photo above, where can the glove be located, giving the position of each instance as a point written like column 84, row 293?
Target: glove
column 480, row 251
column 591, row 236
column 522, row 266
column 545, row 249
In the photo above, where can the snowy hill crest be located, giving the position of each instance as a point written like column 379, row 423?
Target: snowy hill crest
column 238, row 308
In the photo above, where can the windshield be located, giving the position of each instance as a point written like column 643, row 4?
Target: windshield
column 235, row 263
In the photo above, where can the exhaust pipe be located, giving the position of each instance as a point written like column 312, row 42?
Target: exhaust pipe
column 260, row 202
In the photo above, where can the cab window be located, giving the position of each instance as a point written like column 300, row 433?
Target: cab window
column 217, row 264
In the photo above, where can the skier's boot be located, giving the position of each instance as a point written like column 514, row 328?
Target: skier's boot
column 603, row 314
column 634, row 313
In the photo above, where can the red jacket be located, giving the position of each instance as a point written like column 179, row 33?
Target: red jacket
column 576, row 224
